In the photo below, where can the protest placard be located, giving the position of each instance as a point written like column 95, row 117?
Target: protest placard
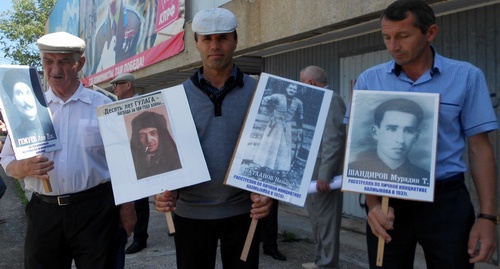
column 391, row 144
column 391, row 147
column 151, row 144
column 279, row 143
column 25, row 112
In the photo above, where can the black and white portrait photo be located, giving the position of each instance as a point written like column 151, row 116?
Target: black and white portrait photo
column 392, row 139
column 395, row 129
column 284, row 127
column 26, row 107
column 25, row 112
column 280, row 140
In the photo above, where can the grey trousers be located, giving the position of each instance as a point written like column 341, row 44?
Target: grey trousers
column 325, row 214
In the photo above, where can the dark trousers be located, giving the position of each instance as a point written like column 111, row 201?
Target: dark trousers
column 121, row 240
column 83, row 231
column 441, row 227
column 3, row 187
column 269, row 229
column 141, row 226
column 196, row 242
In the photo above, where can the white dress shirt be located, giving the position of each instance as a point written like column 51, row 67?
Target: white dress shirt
column 81, row 162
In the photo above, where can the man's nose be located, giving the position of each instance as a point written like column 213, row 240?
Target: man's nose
column 393, row 45
column 30, row 101
column 215, row 44
column 399, row 136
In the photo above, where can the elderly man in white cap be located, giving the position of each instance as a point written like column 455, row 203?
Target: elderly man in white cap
column 78, row 220
column 219, row 95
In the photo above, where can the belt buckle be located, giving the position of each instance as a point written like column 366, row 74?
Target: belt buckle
column 60, row 202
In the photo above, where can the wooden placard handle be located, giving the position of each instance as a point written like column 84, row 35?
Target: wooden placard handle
column 381, row 241
column 170, row 223
column 248, row 241
column 46, row 185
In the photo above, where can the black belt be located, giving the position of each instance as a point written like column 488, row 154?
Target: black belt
column 72, row 198
column 450, row 182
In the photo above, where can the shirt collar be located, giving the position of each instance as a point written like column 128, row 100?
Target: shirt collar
column 395, row 68
column 80, row 94
column 196, row 77
column 232, row 77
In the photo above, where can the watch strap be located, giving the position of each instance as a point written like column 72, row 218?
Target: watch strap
column 495, row 219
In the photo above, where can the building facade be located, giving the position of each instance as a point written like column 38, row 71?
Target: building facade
column 281, row 37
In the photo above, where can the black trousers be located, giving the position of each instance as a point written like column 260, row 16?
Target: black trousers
column 441, row 227
column 141, row 226
column 269, row 229
column 83, row 231
column 196, row 242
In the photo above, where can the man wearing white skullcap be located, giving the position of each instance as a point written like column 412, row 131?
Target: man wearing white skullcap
column 78, row 220
column 219, row 95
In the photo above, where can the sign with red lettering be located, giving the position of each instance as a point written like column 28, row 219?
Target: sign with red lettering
column 121, row 36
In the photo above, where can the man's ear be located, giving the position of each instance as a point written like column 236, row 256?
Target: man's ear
column 374, row 131
column 432, row 32
column 416, row 136
column 81, row 63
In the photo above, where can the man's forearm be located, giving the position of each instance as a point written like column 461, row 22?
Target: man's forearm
column 482, row 164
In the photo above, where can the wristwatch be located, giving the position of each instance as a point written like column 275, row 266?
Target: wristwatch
column 495, row 219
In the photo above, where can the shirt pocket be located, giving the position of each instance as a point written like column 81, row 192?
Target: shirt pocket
column 90, row 134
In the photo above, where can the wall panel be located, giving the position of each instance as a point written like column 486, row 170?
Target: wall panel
column 471, row 35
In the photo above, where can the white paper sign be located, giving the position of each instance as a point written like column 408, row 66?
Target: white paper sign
column 25, row 112
column 151, row 144
column 279, row 143
column 334, row 184
column 391, row 144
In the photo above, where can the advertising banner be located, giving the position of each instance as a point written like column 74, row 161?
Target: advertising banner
column 121, row 35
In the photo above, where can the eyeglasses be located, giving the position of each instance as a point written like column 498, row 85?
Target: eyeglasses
column 114, row 85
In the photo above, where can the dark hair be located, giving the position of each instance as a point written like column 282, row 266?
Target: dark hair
column 148, row 120
column 400, row 9
column 234, row 33
column 398, row 104
column 11, row 77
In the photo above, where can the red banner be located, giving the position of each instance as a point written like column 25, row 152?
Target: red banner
column 168, row 12
column 151, row 56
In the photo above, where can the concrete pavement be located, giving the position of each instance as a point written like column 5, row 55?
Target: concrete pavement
column 160, row 252
column 294, row 241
